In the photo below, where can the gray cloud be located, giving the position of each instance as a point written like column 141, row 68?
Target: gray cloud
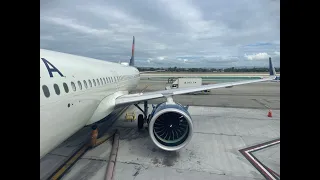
column 180, row 33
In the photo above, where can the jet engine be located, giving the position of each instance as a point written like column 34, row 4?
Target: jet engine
column 170, row 126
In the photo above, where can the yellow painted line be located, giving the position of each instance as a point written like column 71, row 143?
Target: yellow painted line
column 103, row 139
column 73, row 159
column 77, row 155
column 70, row 162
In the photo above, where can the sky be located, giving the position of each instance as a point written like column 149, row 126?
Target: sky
column 168, row 33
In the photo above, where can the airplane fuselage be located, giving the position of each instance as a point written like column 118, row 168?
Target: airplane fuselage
column 77, row 91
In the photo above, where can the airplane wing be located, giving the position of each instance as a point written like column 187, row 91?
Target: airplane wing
column 145, row 72
column 134, row 98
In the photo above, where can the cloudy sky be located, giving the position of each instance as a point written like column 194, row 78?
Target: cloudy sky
column 182, row 33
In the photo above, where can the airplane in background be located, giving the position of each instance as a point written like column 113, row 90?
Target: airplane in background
column 77, row 91
column 276, row 78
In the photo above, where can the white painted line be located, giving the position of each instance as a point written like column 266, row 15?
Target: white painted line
column 260, row 147
column 260, row 166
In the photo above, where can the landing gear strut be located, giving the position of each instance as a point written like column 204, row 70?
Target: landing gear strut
column 142, row 118
column 140, row 121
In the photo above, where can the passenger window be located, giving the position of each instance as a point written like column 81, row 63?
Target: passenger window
column 65, row 86
column 104, row 80
column 90, row 84
column 107, row 79
column 101, row 81
column 46, row 91
column 73, row 86
column 85, row 84
column 56, row 89
column 94, row 82
column 80, row 85
column 98, row 82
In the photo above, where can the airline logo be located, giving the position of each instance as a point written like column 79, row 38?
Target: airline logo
column 51, row 68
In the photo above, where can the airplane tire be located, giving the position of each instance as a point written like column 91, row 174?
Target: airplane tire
column 140, row 121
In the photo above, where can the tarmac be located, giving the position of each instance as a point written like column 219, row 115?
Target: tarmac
column 231, row 140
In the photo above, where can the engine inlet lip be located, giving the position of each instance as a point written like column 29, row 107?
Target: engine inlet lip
column 175, row 148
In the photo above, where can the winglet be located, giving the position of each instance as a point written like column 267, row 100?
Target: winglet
column 272, row 71
column 131, row 63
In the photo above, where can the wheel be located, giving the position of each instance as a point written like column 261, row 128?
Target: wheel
column 140, row 121
column 94, row 127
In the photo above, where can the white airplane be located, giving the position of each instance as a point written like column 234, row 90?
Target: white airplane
column 78, row 91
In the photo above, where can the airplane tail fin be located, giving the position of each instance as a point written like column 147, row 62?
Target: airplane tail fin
column 272, row 70
column 131, row 63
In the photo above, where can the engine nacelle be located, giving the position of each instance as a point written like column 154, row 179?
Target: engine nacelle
column 170, row 126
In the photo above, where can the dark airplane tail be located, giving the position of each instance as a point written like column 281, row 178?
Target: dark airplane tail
column 272, row 71
column 131, row 63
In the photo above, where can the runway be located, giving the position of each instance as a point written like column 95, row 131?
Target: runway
column 227, row 122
